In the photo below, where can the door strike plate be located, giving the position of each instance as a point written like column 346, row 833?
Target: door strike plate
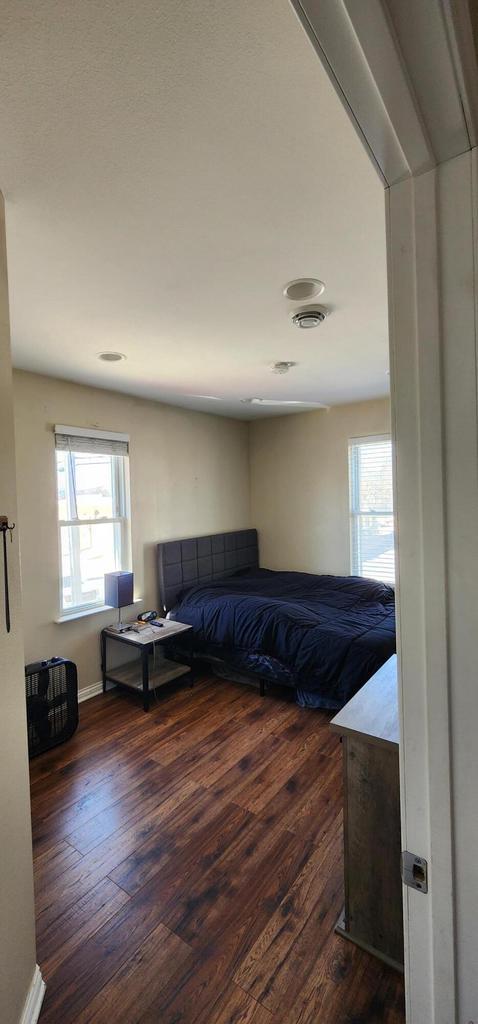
column 414, row 871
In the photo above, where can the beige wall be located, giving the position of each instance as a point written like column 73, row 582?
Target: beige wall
column 17, row 925
column 299, row 484
column 189, row 475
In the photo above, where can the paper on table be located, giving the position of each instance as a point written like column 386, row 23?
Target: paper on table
column 146, row 635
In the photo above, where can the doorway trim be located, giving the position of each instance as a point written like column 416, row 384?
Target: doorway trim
column 406, row 73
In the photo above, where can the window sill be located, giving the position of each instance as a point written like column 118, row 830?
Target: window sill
column 70, row 617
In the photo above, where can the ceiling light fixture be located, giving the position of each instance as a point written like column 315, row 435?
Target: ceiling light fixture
column 282, row 366
column 111, row 357
column 303, row 288
column 278, row 401
column 309, row 317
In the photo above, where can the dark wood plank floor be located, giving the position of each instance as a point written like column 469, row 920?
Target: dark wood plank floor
column 188, row 867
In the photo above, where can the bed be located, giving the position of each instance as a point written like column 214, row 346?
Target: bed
column 325, row 636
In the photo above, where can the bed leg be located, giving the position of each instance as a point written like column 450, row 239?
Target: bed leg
column 262, row 688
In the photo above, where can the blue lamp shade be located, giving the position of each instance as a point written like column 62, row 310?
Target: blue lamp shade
column 119, row 588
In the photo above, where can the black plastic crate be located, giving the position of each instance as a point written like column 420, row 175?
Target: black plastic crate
column 52, row 703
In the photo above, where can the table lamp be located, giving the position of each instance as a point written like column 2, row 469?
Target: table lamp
column 119, row 594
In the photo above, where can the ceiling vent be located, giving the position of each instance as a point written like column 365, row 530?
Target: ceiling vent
column 310, row 317
column 282, row 366
column 281, row 401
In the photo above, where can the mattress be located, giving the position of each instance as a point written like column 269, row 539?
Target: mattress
column 325, row 635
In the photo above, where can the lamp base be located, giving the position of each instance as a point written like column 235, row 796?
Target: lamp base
column 119, row 627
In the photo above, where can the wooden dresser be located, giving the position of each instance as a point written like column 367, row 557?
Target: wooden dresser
column 368, row 727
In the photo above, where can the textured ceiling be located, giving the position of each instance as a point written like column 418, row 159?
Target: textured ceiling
column 167, row 168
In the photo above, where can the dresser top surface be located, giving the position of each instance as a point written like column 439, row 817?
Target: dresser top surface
column 373, row 713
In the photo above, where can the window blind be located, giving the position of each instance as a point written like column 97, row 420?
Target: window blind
column 96, row 442
column 371, row 508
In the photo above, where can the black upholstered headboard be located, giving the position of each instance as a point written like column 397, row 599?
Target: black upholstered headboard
column 200, row 559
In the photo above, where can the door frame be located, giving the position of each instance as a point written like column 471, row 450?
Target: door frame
column 406, row 74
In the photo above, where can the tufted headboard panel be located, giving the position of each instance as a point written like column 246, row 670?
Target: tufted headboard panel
column 183, row 563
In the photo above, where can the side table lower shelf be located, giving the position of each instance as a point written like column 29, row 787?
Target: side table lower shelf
column 128, row 675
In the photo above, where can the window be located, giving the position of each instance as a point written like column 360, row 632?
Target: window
column 371, row 508
column 93, row 513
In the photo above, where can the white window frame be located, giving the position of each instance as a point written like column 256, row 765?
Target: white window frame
column 122, row 537
column 355, row 513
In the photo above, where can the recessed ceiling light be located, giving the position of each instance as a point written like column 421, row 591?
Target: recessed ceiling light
column 111, row 357
column 309, row 317
column 303, row 288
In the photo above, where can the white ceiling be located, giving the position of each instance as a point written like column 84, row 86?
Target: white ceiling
column 167, row 168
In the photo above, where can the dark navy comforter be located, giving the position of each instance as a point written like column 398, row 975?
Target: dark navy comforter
column 325, row 635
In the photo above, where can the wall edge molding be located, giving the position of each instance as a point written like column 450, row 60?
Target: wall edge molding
column 34, row 1000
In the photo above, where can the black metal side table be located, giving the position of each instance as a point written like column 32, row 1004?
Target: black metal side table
column 152, row 669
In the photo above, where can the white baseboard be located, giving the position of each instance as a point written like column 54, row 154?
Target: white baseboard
column 31, row 1010
column 89, row 691
column 92, row 691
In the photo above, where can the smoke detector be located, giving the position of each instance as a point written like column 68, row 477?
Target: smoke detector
column 309, row 317
column 282, row 366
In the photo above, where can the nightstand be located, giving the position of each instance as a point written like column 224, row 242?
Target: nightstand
column 152, row 668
